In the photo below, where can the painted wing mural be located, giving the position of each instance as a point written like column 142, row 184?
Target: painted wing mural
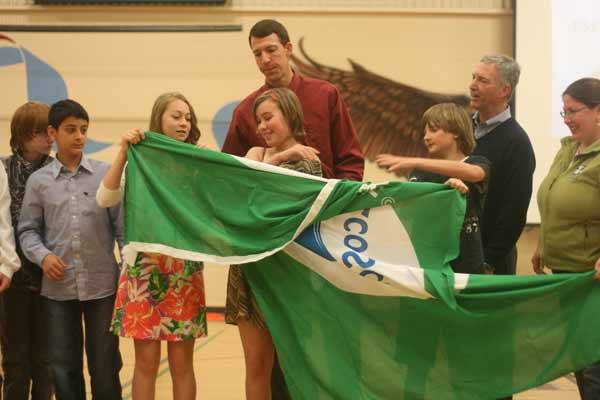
column 386, row 114
column 43, row 82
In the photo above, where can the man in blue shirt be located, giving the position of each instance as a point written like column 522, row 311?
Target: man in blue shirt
column 62, row 229
column 503, row 141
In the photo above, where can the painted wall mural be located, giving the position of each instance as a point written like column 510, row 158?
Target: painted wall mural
column 43, row 82
column 387, row 77
column 386, row 114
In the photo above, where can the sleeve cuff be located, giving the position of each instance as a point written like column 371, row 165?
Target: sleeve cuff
column 9, row 270
column 106, row 197
column 39, row 257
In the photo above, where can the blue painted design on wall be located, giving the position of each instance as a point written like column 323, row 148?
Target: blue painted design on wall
column 10, row 56
column 94, row 146
column 44, row 83
column 221, row 120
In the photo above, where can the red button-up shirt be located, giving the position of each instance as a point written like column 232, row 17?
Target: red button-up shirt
column 327, row 125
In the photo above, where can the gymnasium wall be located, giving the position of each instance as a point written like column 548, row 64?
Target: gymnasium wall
column 117, row 76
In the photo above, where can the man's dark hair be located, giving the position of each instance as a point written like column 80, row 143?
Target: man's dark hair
column 64, row 109
column 266, row 27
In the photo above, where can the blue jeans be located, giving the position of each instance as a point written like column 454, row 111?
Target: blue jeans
column 66, row 339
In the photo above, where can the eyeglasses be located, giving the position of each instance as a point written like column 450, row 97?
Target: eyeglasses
column 568, row 113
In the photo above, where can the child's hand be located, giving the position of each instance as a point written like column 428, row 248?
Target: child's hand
column 597, row 276
column 396, row 164
column 132, row 136
column 457, row 184
column 53, row 267
column 299, row 152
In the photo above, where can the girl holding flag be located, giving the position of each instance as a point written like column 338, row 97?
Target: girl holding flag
column 159, row 297
column 278, row 116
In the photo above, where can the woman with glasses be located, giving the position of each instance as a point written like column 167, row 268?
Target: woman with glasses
column 569, row 201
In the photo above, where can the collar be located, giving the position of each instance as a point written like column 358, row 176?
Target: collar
column 572, row 144
column 57, row 167
column 485, row 127
column 294, row 83
column 495, row 120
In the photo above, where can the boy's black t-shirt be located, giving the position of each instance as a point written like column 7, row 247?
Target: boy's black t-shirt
column 470, row 259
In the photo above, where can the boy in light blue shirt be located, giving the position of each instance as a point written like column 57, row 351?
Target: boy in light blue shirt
column 62, row 229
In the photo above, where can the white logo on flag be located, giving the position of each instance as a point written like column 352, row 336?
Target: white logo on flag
column 365, row 252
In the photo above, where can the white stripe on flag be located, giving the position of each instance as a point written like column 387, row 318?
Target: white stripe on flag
column 132, row 248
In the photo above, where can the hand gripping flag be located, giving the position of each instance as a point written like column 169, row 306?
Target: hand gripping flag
column 354, row 278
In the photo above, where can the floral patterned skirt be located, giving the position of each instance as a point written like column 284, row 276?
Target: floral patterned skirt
column 160, row 298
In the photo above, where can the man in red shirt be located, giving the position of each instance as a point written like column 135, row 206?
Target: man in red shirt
column 327, row 122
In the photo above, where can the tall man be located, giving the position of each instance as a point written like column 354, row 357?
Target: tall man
column 501, row 139
column 327, row 123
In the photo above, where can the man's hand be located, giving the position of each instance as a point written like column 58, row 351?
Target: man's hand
column 4, row 282
column 53, row 267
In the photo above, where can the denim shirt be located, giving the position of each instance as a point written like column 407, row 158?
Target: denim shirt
column 60, row 216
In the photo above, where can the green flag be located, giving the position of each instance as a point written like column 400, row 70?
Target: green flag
column 354, row 278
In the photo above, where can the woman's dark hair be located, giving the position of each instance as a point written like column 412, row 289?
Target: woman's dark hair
column 585, row 90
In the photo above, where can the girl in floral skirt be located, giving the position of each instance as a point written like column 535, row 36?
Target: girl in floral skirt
column 159, row 297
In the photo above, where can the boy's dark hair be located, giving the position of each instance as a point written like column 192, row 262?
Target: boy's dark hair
column 266, row 27
column 64, row 109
